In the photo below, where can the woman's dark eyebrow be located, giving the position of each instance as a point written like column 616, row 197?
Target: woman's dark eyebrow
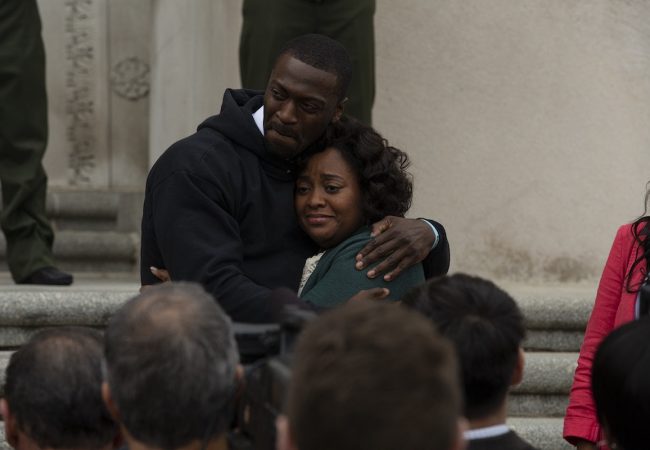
column 332, row 176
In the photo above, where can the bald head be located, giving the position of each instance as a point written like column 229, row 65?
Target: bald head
column 171, row 360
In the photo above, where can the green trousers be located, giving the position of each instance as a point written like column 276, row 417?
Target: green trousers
column 23, row 137
column 269, row 24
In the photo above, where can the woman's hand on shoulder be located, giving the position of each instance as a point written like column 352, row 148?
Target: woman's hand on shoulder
column 400, row 242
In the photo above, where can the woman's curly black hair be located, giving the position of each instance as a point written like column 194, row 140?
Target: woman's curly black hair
column 641, row 233
column 386, row 186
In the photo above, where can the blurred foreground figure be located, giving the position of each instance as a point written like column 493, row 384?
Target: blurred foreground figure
column 171, row 363
column 23, row 138
column 53, row 394
column 620, row 385
column 487, row 329
column 372, row 376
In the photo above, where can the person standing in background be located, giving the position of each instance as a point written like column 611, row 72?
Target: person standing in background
column 23, row 138
column 269, row 24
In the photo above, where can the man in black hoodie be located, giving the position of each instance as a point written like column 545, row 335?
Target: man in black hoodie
column 219, row 204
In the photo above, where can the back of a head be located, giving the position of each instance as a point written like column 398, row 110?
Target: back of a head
column 53, row 389
column 620, row 386
column 486, row 327
column 373, row 376
column 323, row 53
column 171, row 359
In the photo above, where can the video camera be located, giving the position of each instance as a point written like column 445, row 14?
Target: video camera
column 266, row 352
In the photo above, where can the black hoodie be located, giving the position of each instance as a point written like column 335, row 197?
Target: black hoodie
column 219, row 210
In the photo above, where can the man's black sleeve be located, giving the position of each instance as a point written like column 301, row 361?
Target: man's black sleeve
column 437, row 262
column 189, row 233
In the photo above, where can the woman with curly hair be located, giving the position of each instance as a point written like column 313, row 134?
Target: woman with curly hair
column 355, row 179
column 617, row 302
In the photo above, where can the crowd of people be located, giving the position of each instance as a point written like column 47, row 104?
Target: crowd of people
column 281, row 200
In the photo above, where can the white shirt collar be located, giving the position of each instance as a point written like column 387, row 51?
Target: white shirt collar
column 258, row 117
column 486, row 432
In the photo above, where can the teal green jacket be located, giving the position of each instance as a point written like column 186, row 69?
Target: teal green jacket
column 335, row 279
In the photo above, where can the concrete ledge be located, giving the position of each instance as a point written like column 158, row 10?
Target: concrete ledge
column 13, row 337
column 81, row 304
column 532, row 405
column 554, row 307
column 543, row 433
column 548, row 373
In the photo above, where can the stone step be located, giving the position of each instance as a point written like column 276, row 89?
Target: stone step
column 94, row 251
column 556, row 315
column 542, row 432
column 98, row 210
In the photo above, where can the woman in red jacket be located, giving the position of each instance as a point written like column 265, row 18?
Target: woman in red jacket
column 625, row 272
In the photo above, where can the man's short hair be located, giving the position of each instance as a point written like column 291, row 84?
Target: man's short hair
column 487, row 329
column 373, row 376
column 53, row 389
column 323, row 53
column 171, row 360
column 619, row 382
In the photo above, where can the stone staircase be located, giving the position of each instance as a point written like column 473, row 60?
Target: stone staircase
column 95, row 231
column 556, row 317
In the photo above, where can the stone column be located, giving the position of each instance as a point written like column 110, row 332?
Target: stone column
column 194, row 58
column 98, row 84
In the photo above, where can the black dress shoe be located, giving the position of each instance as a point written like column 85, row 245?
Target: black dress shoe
column 48, row 275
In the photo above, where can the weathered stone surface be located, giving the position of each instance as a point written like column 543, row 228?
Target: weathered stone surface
column 553, row 340
column 4, row 361
column 547, row 373
column 535, row 405
column 556, row 307
column 3, row 443
column 543, row 433
column 13, row 337
column 81, row 304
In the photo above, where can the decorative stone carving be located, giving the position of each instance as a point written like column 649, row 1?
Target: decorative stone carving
column 80, row 108
column 130, row 79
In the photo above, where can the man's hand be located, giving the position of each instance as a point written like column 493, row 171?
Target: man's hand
column 401, row 242
column 161, row 274
column 370, row 294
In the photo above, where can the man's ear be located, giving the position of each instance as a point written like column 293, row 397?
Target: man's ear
column 283, row 440
column 340, row 107
column 11, row 428
column 110, row 403
column 518, row 374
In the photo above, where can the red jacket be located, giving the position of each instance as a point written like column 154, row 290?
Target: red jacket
column 613, row 307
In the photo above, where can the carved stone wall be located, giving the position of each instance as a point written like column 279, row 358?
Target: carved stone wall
column 98, row 87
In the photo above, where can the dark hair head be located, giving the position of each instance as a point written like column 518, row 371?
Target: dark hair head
column 386, row 186
column 171, row 360
column 486, row 327
column 53, row 388
column 373, row 376
column 323, row 53
column 641, row 233
column 619, row 382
